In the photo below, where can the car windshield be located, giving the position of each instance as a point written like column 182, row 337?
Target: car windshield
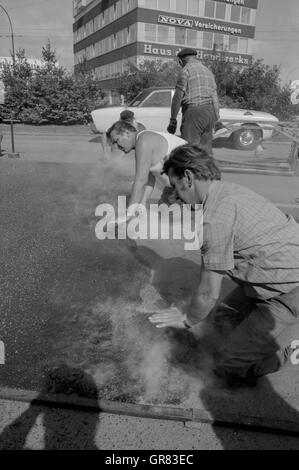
column 139, row 98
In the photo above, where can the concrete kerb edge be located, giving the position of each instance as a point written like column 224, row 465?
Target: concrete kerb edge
column 189, row 416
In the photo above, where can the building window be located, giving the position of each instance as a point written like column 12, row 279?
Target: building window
column 180, row 36
column 235, row 13
column 118, row 9
column 243, row 46
column 125, row 36
column 194, row 7
column 125, row 6
column 112, row 15
column 132, row 4
column 164, row 5
column 245, row 15
column 207, row 42
column 192, row 38
column 119, row 39
column 89, row 28
column 181, row 6
column 150, row 32
column 218, row 44
column 90, row 52
column 98, row 22
column 150, row 4
column 132, row 36
column 98, row 48
column 163, row 34
column 233, row 44
column 220, row 11
column 241, row 15
column 210, row 8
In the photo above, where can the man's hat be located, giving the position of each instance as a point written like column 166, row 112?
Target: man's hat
column 186, row 51
column 127, row 115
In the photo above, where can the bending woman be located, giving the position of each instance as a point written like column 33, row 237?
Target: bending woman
column 152, row 149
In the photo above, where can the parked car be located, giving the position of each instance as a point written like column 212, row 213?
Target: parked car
column 244, row 127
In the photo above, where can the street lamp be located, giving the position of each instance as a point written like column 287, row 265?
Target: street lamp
column 12, row 37
column 13, row 65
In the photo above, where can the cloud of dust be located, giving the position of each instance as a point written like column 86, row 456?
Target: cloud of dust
column 154, row 371
column 170, row 366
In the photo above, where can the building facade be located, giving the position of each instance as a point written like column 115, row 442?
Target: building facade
column 109, row 33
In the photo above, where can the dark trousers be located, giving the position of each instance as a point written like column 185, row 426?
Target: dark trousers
column 261, row 335
column 197, row 125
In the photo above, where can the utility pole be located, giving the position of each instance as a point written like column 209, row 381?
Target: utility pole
column 13, row 154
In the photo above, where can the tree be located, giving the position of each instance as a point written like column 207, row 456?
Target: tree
column 48, row 93
column 16, row 79
column 255, row 86
column 149, row 73
column 226, row 76
column 49, row 57
column 259, row 87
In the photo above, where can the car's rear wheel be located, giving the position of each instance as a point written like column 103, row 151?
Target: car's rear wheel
column 246, row 139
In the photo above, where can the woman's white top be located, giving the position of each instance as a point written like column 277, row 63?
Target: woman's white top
column 173, row 141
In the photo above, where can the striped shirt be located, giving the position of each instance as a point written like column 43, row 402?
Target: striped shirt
column 198, row 84
column 250, row 239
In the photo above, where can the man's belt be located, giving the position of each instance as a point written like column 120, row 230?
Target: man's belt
column 191, row 105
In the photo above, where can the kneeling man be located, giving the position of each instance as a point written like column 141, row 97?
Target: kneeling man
column 250, row 240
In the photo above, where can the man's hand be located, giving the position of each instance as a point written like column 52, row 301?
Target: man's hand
column 171, row 317
column 171, row 129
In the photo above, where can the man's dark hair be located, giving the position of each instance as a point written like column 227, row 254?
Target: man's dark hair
column 195, row 159
column 120, row 127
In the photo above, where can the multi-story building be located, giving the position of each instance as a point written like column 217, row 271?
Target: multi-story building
column 109, row 33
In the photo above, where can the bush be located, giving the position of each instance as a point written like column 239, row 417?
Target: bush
column 149, row 73
column 48, row 94
column 256, row 86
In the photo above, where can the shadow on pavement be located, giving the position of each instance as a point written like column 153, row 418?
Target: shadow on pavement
column 60, row 429
column 223, row 142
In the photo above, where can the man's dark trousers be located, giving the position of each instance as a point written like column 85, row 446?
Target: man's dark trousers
column 197, row 125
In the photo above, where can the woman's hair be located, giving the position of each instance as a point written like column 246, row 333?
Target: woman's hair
column 127, row 116
column 120, row 127
column 195, row 159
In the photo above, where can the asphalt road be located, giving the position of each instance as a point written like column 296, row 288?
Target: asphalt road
column 78, row 145
column 67, row 300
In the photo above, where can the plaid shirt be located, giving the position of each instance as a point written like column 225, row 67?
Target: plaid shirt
column 250, row 239
column 198, row 84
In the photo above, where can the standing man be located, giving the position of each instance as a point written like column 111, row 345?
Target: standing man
column 196, row 94
column 250, row 240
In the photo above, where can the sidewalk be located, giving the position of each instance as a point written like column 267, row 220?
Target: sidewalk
column 39, row 428
column 23, row 129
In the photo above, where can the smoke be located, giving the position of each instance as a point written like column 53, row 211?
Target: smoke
column 154, row 372
column 173, row 365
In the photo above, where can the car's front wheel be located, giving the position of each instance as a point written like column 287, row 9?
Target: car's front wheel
column 246, row 139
